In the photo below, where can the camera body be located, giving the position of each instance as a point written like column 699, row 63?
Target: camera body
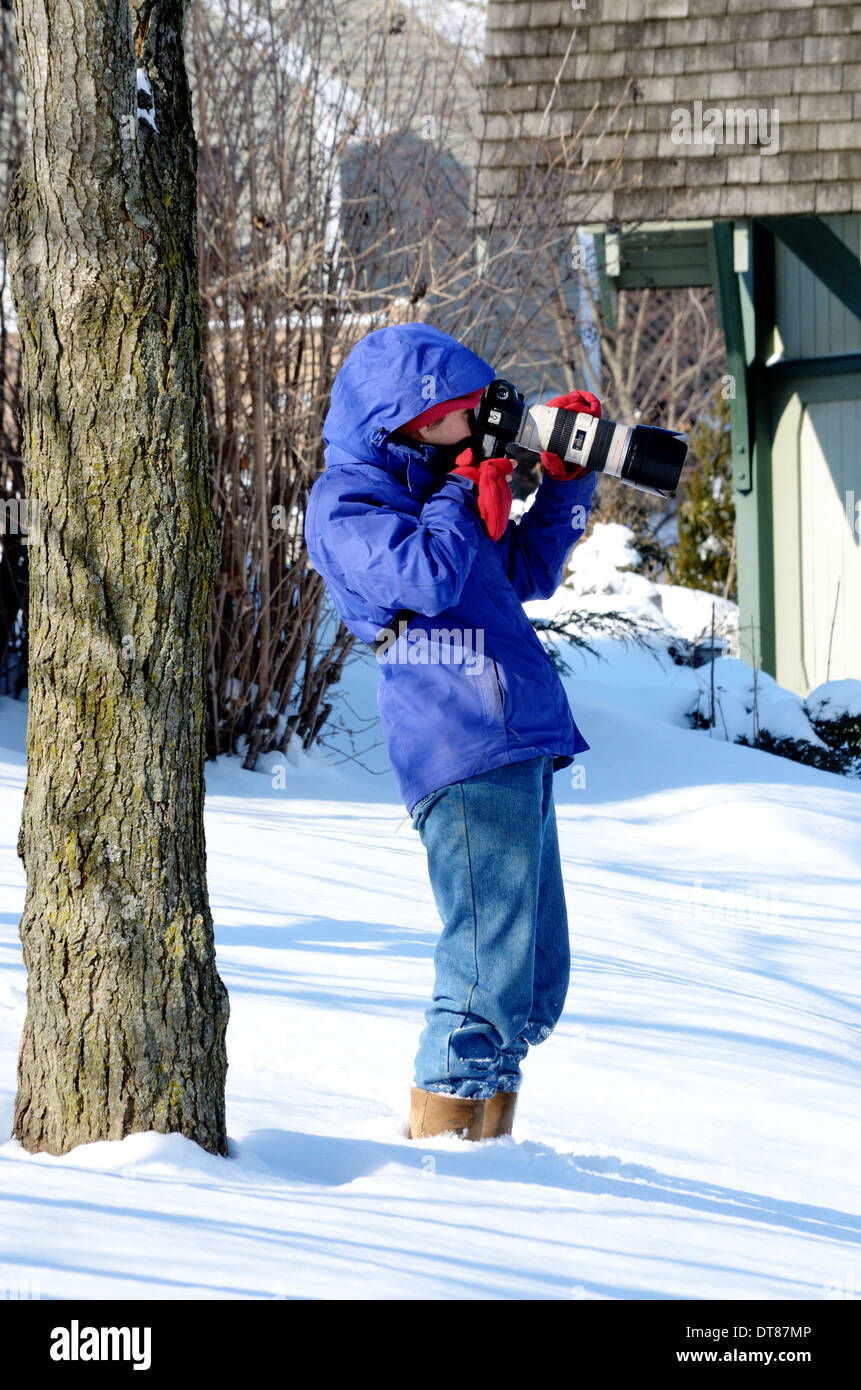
column 642, row 456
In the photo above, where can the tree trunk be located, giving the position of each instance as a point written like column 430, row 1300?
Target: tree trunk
column 126, row 1014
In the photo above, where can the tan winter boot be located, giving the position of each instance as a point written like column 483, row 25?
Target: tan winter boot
column 432, row 1113
column 499, row 1114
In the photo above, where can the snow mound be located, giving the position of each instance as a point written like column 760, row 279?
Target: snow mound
column 744, row 706
column 603, row 563
column 603, row 566
column 835, row 700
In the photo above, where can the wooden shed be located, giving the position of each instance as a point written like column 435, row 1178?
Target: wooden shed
column 734, row 127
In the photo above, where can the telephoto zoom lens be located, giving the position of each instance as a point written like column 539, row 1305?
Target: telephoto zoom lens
column 642, row 456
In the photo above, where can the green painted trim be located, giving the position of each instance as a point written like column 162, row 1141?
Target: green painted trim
column 836, row 364
column 731, row 302
column 728, row 306
column 813, row 386
column 745, row 308
column 658, row 255
column 666, row 277
column 605, row 289
column 817, row 247
column 760, row 283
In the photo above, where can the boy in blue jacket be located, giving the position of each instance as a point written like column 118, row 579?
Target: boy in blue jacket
column 411, row 531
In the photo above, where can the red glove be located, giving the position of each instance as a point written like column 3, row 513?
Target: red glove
column 494, row 494
column 586, row 404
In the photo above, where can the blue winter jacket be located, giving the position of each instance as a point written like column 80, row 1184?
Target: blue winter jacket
column 468, row 686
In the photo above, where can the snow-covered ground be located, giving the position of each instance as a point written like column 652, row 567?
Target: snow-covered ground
column 691, row 1130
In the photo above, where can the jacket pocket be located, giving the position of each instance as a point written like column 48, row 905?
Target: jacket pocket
column 482, row 673
column 500, row 689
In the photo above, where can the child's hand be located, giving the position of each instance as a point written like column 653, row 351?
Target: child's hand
column 494, row 495
column 586, row 404
column 582, row 401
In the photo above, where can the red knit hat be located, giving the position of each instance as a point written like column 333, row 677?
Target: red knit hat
column 440, row 408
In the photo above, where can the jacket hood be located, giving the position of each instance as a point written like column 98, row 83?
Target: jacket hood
column 390, row 377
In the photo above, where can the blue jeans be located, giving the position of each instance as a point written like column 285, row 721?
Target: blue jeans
column 503, row 959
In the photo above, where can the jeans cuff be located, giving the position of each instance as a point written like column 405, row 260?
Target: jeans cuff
column 536, row 1033
column 470, row 1089
column 510, row 1083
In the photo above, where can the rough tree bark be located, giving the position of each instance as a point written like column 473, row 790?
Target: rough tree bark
column 126, row 1014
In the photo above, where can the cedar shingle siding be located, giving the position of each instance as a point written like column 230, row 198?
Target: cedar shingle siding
column 652, row 58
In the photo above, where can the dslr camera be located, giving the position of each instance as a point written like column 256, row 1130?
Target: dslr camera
column 642, row 456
